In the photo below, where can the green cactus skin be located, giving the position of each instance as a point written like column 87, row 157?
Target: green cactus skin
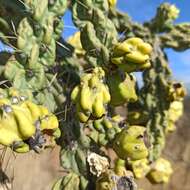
column 98, row 33
column 129, row 143
column 36, row 35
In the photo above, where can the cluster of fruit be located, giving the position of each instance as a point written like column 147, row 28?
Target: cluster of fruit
column 176, row 94
column 131, row 145
column 106, row 128
column 157, row 172
column 38, row 67
column 132, row 55
column 25, row 125
column 91, row 96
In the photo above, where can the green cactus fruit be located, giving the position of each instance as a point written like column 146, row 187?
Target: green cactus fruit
column 98, row 125
column 110, row 134
column 122, row 88
column 111, row 181
column 102, row 140
column 119, row 167
column 23, row 148
column 107, row 123
column 138, row 117
column 129, row 143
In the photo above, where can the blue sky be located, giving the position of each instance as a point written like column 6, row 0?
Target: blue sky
column 143, row 10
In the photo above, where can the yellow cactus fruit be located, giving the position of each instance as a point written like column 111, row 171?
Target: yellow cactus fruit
column 107, row 123
column 4, row 101
column 175, row 110
column 8, row 121
column 49, row 122
column 22, row 149
column 94, row 81
column 176, row 92
column 83, row 118
column 25, row 125
column 34, row 110
column 140, row 168
column 174, row 113
column 98, row 109
column 106, row 94
column 91, row 95
column 7, row 137
column 117, row 118
column 160, row 172
column 86, row 98
column 76, row 43
column 132, row 55
column 75, row 94
column 44, row 110
column 13, row 92
column 173, row 12
column 112, row 3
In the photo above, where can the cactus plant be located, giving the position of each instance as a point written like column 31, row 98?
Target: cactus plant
column 81, row 81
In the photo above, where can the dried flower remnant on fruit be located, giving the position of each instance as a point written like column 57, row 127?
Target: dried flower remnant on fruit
column 98, row 164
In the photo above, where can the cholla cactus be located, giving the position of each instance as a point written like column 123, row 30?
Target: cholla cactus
column 25, row 125
column 84, row 79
